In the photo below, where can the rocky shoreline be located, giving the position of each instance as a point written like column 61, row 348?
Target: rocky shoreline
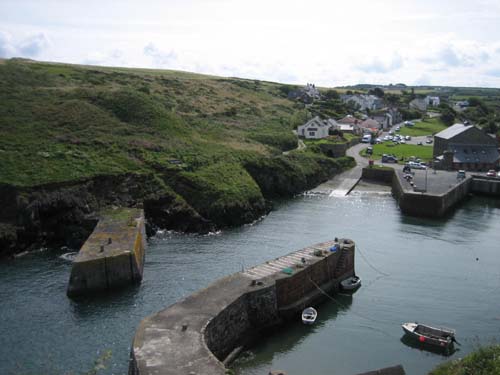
column 64, row 214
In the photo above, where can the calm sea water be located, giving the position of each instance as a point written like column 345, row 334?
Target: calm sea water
column 444, row 272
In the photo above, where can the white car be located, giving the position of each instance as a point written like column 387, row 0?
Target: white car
column 408, row 138
column 415, row 165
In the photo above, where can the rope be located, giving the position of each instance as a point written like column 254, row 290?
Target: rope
column 342, row 305
column 367, row 262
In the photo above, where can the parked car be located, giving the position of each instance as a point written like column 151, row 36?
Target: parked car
column 402, row 141
column 408, row 138
column 420, row 143
column 491, row 173
column 416, row 165
column 389, row 159
column 429, row 141
column 461, row 174
column 398, row 128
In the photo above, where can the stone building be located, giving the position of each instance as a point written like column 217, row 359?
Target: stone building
column 465, row 147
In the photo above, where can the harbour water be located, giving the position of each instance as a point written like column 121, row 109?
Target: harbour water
column 442, row 272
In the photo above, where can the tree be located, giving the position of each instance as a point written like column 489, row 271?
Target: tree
column 331, row 94
column 377, row 91
column 491, row 127
column 448, row 116
column 392, row 99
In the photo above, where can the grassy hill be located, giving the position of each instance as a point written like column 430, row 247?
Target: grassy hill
column 207, row 148
column 61, row 122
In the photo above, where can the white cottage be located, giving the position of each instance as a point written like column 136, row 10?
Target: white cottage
column 314, row 129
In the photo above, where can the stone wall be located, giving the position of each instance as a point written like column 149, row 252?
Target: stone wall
column 429, row 205
column 112, row 256
column 485, row 185
column 378, row 174
column 193, row 336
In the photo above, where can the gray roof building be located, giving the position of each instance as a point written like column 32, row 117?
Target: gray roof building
column 465, row 147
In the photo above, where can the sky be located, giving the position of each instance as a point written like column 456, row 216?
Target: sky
column 326, row 42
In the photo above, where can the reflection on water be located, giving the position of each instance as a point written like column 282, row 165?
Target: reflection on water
column 444, row 272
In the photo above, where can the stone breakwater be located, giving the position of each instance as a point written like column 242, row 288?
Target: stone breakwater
column 198, row 334
column 113, row 255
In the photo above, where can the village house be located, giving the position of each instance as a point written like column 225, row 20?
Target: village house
column 465, row 147
column 432, row 101
column 306, row 94
column 419, row 104
column 349, row 124
column 388, row 118
column 314, row 129
column 363, row 102
column 370, row 126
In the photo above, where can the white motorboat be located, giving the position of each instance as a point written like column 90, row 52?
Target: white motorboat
column 309, row 315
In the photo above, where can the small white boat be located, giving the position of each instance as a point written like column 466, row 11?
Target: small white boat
column 438, row 337
column 309, row 315
column 351, row 283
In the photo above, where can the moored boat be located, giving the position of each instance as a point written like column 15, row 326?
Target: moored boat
column 309, row 315
column 437, row 337
column 351, row 283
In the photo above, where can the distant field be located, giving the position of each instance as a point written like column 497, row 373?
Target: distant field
column 427, row 127
column 402, row 151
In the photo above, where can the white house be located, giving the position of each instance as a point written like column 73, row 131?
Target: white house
column 314, row 129
column 432, row 101
column 364, row 102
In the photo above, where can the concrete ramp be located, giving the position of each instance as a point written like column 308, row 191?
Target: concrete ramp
column 113, row 255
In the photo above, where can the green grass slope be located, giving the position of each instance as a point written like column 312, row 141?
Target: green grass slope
column 213, row 147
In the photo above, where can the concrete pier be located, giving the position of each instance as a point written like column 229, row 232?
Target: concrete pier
column 113, row 255
column 446, row 192
column 196, row 335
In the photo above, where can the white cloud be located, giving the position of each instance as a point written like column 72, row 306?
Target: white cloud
column 29, row 46
column 160, row 59
column 6, row 47
column 376, row 65
column 327, row 42
column 33, row 45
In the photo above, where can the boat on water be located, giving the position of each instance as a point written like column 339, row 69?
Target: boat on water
column 437, row 337
column 351, row 283
column 309, row 315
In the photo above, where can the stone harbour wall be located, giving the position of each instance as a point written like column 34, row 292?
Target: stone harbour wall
column 194, row 336
column 113, row 255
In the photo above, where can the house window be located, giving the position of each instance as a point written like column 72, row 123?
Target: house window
column 312, row 134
